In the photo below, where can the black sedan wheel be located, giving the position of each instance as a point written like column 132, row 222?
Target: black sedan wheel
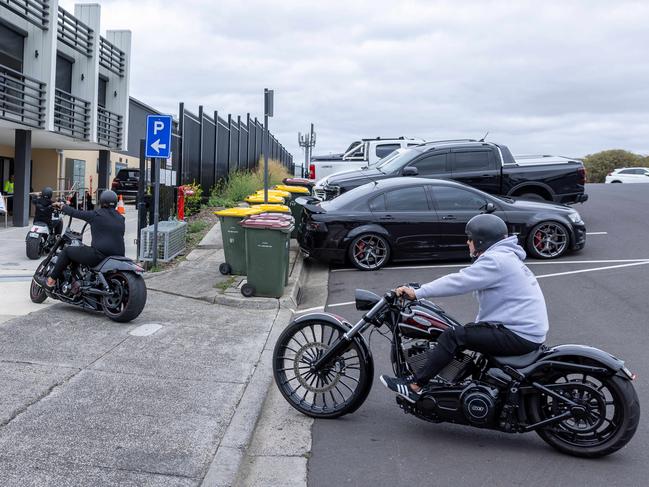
column 548, row 240
column 369, row 252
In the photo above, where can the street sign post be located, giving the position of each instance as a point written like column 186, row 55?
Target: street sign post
column 158, row 136
column 268, row 112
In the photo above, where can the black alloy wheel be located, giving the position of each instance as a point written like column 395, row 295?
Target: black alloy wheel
column 127, row 298
column 604, row 420
column 548, row 240
column 37, row 293
column 337, row 389
column 369, row 252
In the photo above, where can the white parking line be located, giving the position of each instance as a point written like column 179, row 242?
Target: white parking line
column 447, row 266
column 596, row 233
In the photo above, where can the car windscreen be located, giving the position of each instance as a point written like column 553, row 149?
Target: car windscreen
column 354, row 199
column 126, row 174
column 397, row 161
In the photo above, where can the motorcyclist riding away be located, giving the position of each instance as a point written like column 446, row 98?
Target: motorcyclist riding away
column 107, row 229
column 512, row 317
column 44, row 207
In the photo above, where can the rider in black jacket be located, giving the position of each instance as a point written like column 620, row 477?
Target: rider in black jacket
column 44, row 207
column 107, row 229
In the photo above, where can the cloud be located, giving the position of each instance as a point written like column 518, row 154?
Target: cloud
column 543, row 77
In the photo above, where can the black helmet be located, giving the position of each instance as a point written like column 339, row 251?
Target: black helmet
column 47, row 192
column 108, row 199
column 485, row 230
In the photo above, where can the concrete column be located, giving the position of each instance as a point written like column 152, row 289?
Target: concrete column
column 104, row 165
column 22, row 169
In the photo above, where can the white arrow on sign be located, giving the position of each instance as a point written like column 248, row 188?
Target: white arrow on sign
column 156, row 146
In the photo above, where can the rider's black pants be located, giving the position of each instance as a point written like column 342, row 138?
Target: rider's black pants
column 81, row 254
column 56, row 227
column 487, row 338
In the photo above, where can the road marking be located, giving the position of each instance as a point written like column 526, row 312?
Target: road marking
column 446, row 266
column 593, row 269
column 145, row 330
column 308, row 310
column 596, row 233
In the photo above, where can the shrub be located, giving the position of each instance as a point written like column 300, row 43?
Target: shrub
column 600, row 164
column 193, row 202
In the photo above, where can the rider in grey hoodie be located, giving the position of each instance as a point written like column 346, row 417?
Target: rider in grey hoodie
column 512, row 317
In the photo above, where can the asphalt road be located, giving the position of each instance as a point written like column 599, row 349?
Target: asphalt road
column 607, row 308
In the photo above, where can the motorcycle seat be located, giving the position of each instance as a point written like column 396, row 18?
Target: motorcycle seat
column 520, row 361
column 112, row 257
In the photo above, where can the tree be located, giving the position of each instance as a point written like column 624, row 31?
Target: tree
column 598, row 165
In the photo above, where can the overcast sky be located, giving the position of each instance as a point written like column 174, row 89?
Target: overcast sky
column 554, row 77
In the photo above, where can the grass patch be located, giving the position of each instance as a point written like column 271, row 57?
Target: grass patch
column 223, row 286
column 197, row 226
column 242, row 183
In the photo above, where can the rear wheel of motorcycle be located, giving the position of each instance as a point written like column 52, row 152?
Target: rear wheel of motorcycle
column 37, row 293
column 338, row 389
column 611, row 418
column 128, row 296
column 33, row 248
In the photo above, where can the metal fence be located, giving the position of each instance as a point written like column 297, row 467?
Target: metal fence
column 209, row 147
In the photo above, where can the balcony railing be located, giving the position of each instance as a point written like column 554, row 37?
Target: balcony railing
column 22, row 99
column 111, row 57
column 33, row 11
column 109, row 128
column 74, row 33
column 71, row 115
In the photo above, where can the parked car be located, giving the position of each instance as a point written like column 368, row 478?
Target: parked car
column 362, row 153
column 401, row 219
column 126, row 183
column 628, row 175
column 483, row 165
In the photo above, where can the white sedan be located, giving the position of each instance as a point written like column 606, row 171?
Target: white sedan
column 629, row 175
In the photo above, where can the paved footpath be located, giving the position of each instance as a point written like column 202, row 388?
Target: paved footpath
column 162, row 401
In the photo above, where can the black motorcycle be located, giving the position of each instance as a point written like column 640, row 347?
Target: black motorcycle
column 579, row 399
column 41, row 237
column 115, row 286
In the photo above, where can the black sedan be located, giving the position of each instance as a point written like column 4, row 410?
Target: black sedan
column 406, row 219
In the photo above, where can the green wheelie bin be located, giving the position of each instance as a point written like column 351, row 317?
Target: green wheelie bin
column 234, row 244
column 275, row 215
column 267, row 256
column 296, row 208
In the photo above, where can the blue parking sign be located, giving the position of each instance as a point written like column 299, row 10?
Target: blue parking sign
column 158, row 136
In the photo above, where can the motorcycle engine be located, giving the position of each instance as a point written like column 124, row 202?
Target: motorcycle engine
column 417, row 351
column 479, row 404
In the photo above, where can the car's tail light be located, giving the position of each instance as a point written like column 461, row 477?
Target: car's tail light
column 312, row 171
column 115, row 183
column 582, row 175
column 313, row 226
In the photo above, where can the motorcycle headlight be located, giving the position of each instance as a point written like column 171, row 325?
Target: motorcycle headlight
column 575, row 217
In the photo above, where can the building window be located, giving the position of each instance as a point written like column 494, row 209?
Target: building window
column 101, row 92
column 12, row 46
column 63, row 74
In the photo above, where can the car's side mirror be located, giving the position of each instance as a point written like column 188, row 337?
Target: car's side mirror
column 410, row 171
column 489, row 208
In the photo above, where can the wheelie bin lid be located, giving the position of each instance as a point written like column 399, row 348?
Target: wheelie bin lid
column 240, row 212
column 293, row 189
column 270, row 208
column 276, row 192
column 273, row 216
column 268, row 224
column 256, row 198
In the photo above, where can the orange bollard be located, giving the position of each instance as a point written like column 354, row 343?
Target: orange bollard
column 120, row 206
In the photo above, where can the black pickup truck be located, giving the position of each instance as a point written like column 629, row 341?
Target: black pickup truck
column 483, row 165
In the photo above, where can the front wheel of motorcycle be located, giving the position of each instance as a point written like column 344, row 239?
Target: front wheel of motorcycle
column 37, row 293
column 128, row 296
column 337, row 389
column 608, row 416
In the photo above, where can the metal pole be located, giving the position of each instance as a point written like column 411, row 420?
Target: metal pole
column 156, row 208
column 141, row 205
column 265, row 142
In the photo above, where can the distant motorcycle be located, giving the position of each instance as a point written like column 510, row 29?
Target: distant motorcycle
column 41, row 238
column 579, row 399
column 115, row 286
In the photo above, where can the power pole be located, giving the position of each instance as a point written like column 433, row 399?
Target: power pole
column 306, row 141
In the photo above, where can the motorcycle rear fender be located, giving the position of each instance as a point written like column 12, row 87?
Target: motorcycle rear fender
column 565, row 353
column 112, row 265
column 341, row 323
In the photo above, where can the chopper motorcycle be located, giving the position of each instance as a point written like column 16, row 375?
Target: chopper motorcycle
column 578, row 399
column 41, row 237
column 115, row 286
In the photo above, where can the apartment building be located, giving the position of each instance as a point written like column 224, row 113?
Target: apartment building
column 64, row 99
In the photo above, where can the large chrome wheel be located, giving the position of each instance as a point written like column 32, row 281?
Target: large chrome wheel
column 336, row 389
column 548, row 240
column 369, row 252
